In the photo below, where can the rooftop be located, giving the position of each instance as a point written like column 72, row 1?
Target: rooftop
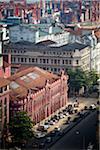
column 71, row 46
column 29, row 78
column 42, row 46
column 3, row 82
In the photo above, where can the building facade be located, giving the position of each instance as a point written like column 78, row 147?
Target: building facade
column 52, row 58
column 5, row 71
column 4, row 103
column 37, row 92
column 38, row 33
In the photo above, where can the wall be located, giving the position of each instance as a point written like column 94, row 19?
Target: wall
column 58, row 38
column 21, row 33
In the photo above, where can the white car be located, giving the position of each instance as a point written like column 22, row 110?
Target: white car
column 46, row 126
column 93, row 106
column 39, row 135
column 57, row 128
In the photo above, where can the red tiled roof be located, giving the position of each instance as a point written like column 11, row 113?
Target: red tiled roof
column 22, row 81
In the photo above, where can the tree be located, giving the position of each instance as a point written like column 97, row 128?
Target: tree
column 91, row 78
column 79, row 78
column 21, row 127
column 76, row 80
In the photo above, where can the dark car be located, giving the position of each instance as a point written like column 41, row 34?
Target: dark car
column 48, row 139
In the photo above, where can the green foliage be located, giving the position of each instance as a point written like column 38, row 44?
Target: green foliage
column 21, row 127
column 79, row 78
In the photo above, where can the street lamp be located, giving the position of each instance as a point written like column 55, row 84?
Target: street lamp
column 83, row 139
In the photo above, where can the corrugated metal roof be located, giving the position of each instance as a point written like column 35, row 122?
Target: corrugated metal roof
column 29, row 78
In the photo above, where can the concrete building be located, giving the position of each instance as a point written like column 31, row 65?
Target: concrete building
column 88, row 35
column 37, row 92
column 50, row 56
column 22, row 33
column 37, row 33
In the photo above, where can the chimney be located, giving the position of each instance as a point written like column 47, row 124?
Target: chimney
column 36, row 36
column 50, row 30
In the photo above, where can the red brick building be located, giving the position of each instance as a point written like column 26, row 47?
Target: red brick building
column 38, row 92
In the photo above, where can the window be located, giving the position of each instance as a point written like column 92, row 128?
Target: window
column 44, row 53
column 5, row 101
column 63, row 61
column 1, row 90
column 66, row 61
column 55, row 61
column 40, row 60
column 55, row 69
column 58, row 61
column 18, row 59
column 47, row 61
column 32, row 59
column 5, row 88
column 70, row 61
column 51, row 69
column 21, row 59
column 54, row 53
column 58, row 69
column 43, row 60
column 14, row 59
column 77, row 61
column 29, row 59
column 25, row 59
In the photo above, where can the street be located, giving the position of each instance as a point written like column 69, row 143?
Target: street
column 80, row 136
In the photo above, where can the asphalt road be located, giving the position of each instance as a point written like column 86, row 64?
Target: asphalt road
column 80, row 136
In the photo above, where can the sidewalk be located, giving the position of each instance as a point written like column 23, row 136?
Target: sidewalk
column 82, row 102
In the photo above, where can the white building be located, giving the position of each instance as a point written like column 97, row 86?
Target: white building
column 22, row 33
column 5, row 32
column 50, row 57
column 95, row 62
column 87, row 36
column 38, row 33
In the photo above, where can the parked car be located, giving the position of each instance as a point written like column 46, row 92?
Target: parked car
column 92, row 106
column 52, row 122
column 85, row 107
column 57, row 129
column 75, row 110
column 41, row 145
column 53, row 133
column 48, row 139
column 39, row 135
column 35, row 145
